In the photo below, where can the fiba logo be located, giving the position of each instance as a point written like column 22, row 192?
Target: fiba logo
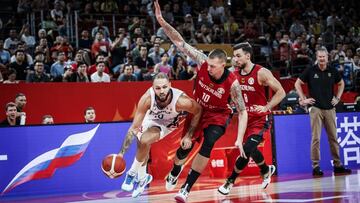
column 251, row 81
column 221, row 90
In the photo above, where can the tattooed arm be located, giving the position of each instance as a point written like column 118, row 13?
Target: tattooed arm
column 177, row 39
column 243, row 116
column 142, row 107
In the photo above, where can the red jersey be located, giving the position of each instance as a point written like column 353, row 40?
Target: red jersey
column 252, row 92
column 214, row 96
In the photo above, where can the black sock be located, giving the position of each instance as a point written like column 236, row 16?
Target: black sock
column 191, row 179
column 264, row 169
column 175, row 170
column 233, row 176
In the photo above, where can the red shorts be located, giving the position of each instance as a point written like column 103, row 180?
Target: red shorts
column 207, row 118
column 256, row 125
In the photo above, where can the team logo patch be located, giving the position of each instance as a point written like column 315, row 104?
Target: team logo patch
column 329, row 75
column 242, row 80
column 221, row 90
column 251, row 81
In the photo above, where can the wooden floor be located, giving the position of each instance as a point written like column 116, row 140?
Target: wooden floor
column 294, row 188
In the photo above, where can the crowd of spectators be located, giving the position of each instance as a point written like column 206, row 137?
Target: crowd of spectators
column 285, row 35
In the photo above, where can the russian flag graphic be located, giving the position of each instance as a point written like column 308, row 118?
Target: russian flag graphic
column 45, row 165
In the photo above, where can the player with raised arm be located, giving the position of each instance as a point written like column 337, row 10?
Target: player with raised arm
column 215, row 88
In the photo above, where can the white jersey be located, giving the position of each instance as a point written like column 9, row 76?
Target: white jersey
column 166, row 118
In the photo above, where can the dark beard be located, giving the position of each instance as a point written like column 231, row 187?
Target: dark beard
column 161, row 102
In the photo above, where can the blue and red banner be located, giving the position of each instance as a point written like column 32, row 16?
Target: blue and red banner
column 60, row 159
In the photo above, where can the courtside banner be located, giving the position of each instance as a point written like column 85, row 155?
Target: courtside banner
column 293, row 142
column 59, row 159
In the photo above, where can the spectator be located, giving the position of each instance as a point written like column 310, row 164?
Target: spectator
column 11, row 77
column 28, row 58
column 118, row 52
column 190, row 72
column 100, row 45
column 89, row 115
column 20, row 65
column 79, row 75
column 135, row 52
column 11, row 118
column 47, row 120
column 78, row 59
column 39, row 74
column 57, row 13
column 167, row 14
column 92, row 69
column 99, row 25
column 217, row 12
column 61, row 45
column 43, row 47
column 163, row 66
column 4, row 57
column 57, row 69
column 85, row 42
column 27, row 38
column 100, row 75
column 11, row 42
column 128, row 74
column 297, row 27
column 156, row 53
column 144, row 65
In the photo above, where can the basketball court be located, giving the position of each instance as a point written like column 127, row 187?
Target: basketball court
column 294, row 188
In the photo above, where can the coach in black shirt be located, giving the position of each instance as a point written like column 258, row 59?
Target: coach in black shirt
column 320, row 80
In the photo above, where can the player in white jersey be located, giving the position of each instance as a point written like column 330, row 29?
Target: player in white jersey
column 156, row 116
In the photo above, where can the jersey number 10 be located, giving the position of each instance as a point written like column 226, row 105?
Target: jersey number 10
column 205, row 97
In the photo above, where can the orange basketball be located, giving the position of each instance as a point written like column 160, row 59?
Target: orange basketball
column 113, row 166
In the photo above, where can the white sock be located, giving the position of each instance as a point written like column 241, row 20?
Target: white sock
column 134, row 167
column 142, row 172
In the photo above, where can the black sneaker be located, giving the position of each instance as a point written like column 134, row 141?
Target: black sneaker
column 317, row 171
column 342, row 170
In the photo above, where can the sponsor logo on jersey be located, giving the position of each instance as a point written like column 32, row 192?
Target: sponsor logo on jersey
column 221, row 90
column 251, row 80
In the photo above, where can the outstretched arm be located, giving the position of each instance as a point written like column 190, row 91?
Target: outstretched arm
column 243, row 116
column 143, row 106
column 177, row 39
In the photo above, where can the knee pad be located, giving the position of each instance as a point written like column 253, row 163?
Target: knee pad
column 241, row 162
column 183, row 153
column 251, row 144
column 211, row 135
column 257, row 156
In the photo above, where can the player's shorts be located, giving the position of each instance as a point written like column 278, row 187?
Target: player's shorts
column 164, row 131
column 207, row 118
column 257, row 126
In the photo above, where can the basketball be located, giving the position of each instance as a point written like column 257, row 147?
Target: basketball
column 113, row 166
